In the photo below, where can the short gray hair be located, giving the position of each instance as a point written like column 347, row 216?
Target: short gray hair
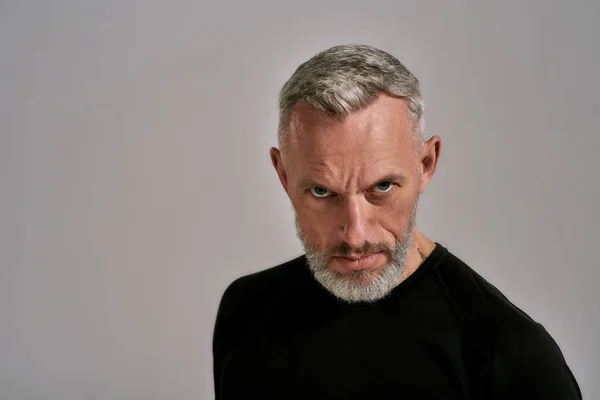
column 344, row 79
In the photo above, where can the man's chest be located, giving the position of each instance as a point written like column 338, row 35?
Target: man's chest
column 350, row 358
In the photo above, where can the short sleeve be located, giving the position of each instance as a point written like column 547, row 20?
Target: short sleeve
column 225, row 328
column 526, row 363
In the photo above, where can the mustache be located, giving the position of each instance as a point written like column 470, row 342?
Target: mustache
column 344, row 249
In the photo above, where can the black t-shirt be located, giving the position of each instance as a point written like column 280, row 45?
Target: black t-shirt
column 443, row 333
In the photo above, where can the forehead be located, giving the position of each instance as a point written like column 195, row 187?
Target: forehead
column 376, row 139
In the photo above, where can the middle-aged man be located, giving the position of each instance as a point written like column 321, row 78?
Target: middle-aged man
column 374, row 309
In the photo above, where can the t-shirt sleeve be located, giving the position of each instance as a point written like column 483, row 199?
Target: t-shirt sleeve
column 527, row 364
column 225, row 327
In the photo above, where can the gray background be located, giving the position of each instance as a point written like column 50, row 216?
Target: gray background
column 136, row 183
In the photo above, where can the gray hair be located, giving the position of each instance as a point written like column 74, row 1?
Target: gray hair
column 347, row 78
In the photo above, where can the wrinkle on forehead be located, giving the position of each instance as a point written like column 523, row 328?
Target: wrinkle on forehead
column 353, row 152
column 337, row 173
column 386, row 120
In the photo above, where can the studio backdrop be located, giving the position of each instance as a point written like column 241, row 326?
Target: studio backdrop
column 135, row 180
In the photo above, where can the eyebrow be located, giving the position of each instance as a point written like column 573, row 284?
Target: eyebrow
column 400, row 178
column 308, row 182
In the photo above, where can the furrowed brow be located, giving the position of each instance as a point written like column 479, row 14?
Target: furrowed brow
column 398, row 178
column 307, row 182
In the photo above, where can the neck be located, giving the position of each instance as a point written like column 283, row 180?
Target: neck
column 420, row 250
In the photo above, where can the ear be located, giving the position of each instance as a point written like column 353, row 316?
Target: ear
column 279, row 168
column 429, row 160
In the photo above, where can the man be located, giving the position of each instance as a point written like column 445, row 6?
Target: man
column 374, row 309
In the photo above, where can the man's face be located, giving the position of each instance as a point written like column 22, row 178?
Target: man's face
column 354, row 186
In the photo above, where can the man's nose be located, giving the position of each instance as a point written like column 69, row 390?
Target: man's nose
column 355, row 218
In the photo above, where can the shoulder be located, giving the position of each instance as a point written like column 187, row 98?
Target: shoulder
column 526, row 363
column 477, row 301
column 523, row 360
column 269, row 278
column 265, row 284
column 473, row 296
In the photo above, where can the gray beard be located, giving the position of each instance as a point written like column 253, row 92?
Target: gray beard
column 364, row 285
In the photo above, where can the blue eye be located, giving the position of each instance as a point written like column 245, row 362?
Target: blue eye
column 320, row 192
column 384, row 186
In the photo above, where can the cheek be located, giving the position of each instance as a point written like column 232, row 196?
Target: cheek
column 317, row 225
column 394, row 217
column 315, row 231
